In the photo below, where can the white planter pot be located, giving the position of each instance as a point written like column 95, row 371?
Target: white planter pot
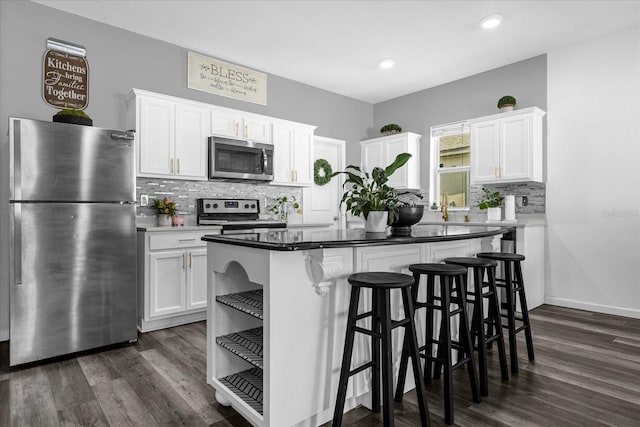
column 506, row 108
column 494, row 214
column 376, row 222
column 164, row 221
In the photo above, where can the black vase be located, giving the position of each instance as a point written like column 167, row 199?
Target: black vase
column 407, row 216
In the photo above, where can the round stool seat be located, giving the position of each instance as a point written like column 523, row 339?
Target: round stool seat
column 438, row 268
column 471, row 262
column 380, row 279
column 501, row 256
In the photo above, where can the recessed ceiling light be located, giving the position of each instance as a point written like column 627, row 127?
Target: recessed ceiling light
column 386, row 63
column 491, row 21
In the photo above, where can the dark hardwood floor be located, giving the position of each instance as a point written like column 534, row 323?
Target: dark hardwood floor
column 586, row 373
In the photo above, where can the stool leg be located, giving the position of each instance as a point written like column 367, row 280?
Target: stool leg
column 465, row 339
column 410, row 336
column 428, row 362
column 404, row 360
column 387, row 357
column 375, row 354
column 525, row 311
column 511, row 320
column 477, row 330
column 346, row 357
column 494, row 314
column 445, row 343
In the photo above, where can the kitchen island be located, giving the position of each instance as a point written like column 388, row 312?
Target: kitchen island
column 277, row 308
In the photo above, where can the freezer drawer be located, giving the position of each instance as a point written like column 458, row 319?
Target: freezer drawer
column 73, row 278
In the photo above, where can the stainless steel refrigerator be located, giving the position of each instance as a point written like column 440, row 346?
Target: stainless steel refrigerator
column 73, row 239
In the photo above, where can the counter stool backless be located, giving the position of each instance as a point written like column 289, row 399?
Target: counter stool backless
column 514, row 284
column 452, row 285
column 484, row 290
column 381, row 284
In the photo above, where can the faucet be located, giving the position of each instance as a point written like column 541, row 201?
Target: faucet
column 444, row 207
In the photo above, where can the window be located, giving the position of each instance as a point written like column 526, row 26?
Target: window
column 450, row 159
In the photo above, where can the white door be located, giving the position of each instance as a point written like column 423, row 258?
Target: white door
column 321, row 203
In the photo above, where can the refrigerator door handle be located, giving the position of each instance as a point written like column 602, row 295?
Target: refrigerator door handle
column 121, row 136
column 17, row 243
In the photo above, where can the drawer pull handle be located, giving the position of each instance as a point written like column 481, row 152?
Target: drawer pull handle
column 186, row 240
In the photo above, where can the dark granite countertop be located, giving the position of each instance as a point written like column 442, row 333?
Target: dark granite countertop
column 292, row 240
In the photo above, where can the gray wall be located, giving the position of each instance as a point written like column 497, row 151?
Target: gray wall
column 118, row 61
column 466, row 98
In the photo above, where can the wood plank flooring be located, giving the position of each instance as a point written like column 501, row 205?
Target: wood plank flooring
column 586, row 373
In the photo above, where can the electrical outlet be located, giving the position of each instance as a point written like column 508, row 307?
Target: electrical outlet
column 525, row 200
column 144, row 200
column 522, row 201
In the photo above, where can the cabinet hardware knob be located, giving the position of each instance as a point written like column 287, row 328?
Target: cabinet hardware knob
column 186, row 240
column 237, row 128
column 178, row 166
column 171, row 165
column 189, row 259
column 184, row 261
column 246, row 131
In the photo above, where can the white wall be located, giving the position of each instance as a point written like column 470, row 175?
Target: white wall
column 593, row 185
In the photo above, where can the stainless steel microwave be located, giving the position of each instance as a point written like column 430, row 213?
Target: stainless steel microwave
column 233, row 159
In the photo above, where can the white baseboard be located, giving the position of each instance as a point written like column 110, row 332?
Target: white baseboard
column 598, row 308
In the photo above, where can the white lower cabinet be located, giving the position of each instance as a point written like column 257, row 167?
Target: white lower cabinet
column 172, row 279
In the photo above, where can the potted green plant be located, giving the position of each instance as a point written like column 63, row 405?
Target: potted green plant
column 166, row 210
column 390, row 129
column 370, row 196
column 506, row 103
column 491, row 201
column 285, row 206
column 76, row 117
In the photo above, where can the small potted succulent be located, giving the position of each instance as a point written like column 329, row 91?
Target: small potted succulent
column 76, row 117
column 506, row 103
column 390, row 129
column 491, row 201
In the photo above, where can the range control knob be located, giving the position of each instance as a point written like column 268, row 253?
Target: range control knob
column 207, row 206
column 215, row 206
column 246, row 206
column 253, row 205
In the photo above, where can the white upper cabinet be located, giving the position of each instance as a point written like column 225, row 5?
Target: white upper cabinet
column 172, row 138
column 171, row 135
column 292, row 154
column 235, row 124
column 381, row 152
column 507, row 147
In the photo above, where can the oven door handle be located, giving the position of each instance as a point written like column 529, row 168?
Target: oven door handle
column 265, row 160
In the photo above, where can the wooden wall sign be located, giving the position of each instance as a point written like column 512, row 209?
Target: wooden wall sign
column 225, row 79
column 65, row 80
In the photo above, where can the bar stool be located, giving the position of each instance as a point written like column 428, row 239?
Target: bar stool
column 481, row 339
column 514, row 284
column 380, row 283
column 452, row 282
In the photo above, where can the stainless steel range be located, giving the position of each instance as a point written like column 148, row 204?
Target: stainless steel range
column 234, row 215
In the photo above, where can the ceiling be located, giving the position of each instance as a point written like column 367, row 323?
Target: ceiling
column 336, row 45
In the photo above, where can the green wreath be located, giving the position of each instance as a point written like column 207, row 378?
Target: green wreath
column 321, row 166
